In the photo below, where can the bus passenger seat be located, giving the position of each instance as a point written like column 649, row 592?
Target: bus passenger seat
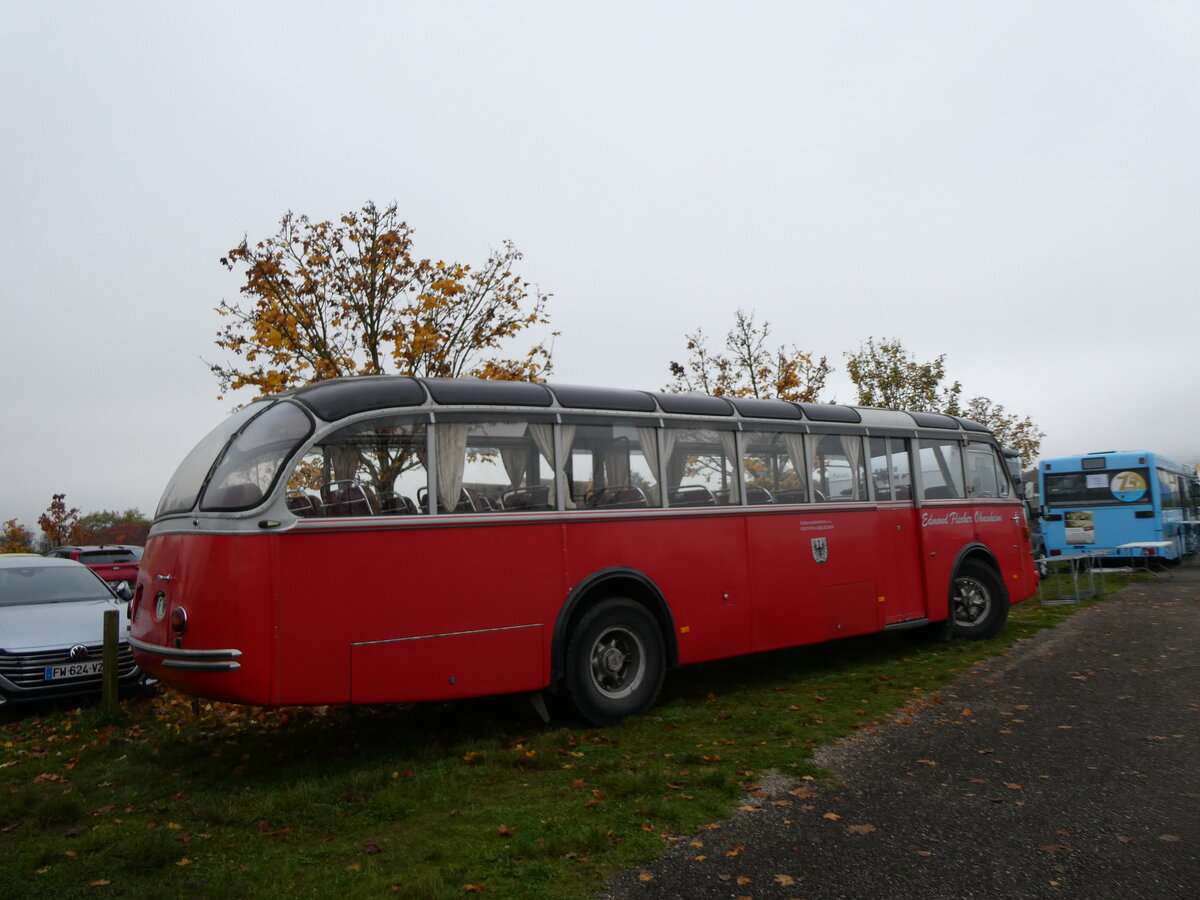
column 692, row 495
column 303, row 505
column 347, row 498
column 534, row 497
column 393, row 504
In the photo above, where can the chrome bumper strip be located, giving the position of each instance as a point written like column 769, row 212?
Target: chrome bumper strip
column 191, row 660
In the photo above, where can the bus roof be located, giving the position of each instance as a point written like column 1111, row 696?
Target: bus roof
column 339, row 398
column 1110, row 459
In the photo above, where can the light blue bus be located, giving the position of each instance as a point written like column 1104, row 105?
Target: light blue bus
column 1106, row 501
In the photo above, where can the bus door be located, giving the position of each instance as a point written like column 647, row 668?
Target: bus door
column 901, row 582
column 1001, row 527
column 944, row 517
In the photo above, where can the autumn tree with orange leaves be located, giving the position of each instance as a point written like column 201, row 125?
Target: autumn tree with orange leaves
column 59, row 524
column 15, row 538
column 327, row 299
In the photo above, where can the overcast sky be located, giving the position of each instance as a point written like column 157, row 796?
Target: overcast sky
column 1015, row 185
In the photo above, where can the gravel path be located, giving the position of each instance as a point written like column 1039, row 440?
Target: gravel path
column 1069, row 767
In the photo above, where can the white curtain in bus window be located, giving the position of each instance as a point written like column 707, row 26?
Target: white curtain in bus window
column 941, row 469
column 376, row 467
column 611, row 466
column 838, row 467
column 495, row 466
column 700, row 467
column 774, row 467
column 985, row 473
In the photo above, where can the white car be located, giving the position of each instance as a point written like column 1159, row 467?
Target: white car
column 52, row 629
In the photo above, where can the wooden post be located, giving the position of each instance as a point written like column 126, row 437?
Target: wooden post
column 110, row 695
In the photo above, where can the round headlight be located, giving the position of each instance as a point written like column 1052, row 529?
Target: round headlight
column 179, row 620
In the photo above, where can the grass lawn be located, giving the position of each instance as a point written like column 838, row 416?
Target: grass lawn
column 442, row 800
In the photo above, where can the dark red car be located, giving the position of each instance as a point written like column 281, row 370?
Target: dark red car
column 112, row 562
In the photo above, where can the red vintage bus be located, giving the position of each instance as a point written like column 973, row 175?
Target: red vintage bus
column 387, row 539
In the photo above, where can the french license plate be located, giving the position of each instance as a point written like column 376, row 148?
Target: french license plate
column 74, row 670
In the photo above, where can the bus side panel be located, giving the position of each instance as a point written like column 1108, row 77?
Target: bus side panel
column 697, row 562
column 813, row 579
column 437, row 668
column 342, row 592
column 223, row 583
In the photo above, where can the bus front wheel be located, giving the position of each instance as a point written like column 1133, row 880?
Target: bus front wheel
column 615, row 662
column 977, row 601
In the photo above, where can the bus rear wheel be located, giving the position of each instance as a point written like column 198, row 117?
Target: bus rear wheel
column 615, row 662
column 978, row 602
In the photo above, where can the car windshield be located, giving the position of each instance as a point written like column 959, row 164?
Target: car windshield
column 28, row 585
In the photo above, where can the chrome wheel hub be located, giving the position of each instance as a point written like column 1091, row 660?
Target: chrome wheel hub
column 617, row 662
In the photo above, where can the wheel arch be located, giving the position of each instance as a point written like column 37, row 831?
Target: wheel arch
column 616, row 581
column 973, row 552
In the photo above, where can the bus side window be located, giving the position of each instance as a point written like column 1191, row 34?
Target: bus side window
column 495, row 466
column 611, row 466
column 700, row 467
column 838, row 467
column 774, row 467
column 369, row 468
column 982, row 482
column 941, row 469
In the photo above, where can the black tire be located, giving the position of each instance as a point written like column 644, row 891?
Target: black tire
column 978, row 601
column 615, row 662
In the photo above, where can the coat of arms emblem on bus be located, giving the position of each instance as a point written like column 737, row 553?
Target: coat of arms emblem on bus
column 820, row 549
